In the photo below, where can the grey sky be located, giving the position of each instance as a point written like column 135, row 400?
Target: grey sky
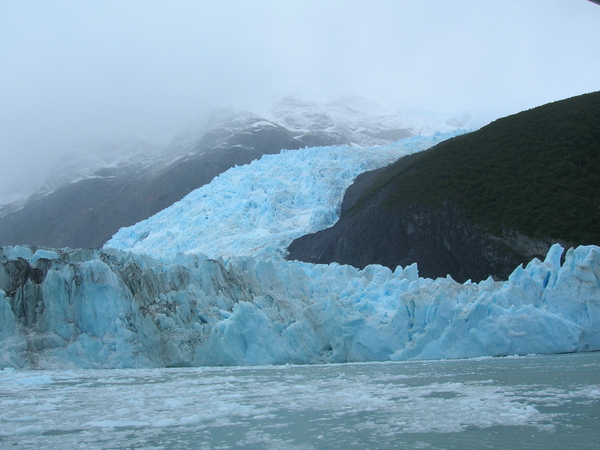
column 73, row 70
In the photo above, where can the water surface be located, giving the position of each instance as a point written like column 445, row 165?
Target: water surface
column 549, row 402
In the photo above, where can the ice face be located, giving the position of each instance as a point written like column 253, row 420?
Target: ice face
column 174, row 295
column 260, row 208
column 75, row 308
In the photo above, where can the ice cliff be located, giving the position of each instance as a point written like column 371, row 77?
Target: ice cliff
column 91, row 308
column 204, row 282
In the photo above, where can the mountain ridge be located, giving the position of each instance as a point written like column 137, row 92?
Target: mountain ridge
column 86, row 209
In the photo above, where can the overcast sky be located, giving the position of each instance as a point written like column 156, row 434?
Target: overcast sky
column 77, row 70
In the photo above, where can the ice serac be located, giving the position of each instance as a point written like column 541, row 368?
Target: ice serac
column 91, row 308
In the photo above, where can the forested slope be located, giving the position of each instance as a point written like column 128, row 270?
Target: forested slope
column 502, row 194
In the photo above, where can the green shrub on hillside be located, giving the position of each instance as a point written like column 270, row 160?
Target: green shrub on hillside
column 537, row 172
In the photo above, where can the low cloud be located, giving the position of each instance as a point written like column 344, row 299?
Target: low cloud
column 80, row 71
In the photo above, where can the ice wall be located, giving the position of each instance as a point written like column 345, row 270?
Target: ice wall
column 90, row 308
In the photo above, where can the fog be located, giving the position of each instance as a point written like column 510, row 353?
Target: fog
column 73, row 72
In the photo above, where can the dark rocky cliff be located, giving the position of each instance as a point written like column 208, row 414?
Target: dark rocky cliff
column 442, row 241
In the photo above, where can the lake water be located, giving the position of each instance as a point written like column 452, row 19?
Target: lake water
column 545, row 402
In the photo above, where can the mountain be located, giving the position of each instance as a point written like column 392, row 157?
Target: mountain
column 478, row 204
column 159, row 300
column 360, row 122
column 96, row 192
column 86, row 211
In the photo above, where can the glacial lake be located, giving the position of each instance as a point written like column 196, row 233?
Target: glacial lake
column 532, row 402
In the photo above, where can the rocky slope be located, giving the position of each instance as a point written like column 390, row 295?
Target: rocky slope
column 479, row 204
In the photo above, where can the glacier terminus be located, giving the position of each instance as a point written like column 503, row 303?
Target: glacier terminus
column 116, row 309
column 204, row 282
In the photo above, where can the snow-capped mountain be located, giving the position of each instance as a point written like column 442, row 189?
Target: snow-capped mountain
column 360, row 122
column 100, row 189
column 244, row 304
column 124, row 158
column 92, row 201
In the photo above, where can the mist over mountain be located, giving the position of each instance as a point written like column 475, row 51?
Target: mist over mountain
column 102, row 188
column 205, row 280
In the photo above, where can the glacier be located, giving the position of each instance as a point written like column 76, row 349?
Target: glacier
column 115, row 309
column 204, row 282
column 258, row 209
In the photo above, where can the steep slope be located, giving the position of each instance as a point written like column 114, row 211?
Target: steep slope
column 258, row 209
column 89, row 199
column 478, row 204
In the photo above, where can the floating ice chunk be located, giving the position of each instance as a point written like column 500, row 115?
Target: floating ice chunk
column 29, row 430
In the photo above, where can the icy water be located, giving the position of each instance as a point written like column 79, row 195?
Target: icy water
column 545, row 402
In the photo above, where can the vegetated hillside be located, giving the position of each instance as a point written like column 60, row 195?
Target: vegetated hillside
column 478, row 204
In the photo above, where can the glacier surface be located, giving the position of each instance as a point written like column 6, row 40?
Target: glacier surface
column 204, row 282
column 109, row 308
column 260, row 208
